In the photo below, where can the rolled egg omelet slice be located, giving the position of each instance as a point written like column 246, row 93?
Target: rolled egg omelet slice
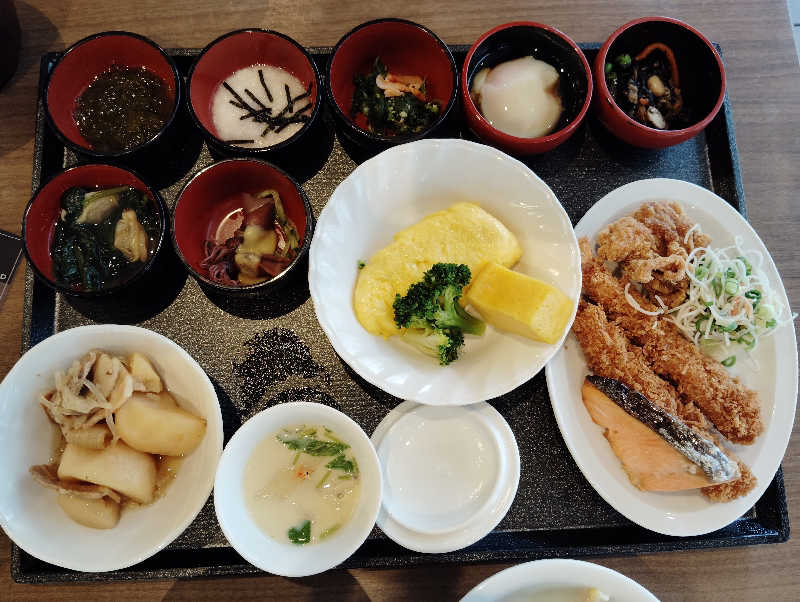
column 463, row 233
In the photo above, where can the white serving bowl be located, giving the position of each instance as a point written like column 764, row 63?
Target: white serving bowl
column 521, row 582
column 29, row 513
column 246, row 537
column 397, row 189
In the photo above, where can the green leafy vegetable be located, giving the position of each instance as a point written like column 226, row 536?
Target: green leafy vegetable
column 329, row 531
column 323, row 479
column 341, row 462
column 302, row 534
column 404, row 114
column 311, row 446
column 83, row 250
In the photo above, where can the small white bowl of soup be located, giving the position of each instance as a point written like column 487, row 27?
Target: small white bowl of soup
column 298, row 489
column 150, row 511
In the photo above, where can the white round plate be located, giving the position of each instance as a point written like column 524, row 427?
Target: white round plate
column 30, row 514
column 450, row 474
column 397, row 189
column 521, row 582
column 688, row 512
column 247, row 538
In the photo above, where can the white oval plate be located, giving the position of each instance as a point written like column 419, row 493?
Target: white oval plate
column 450, row 474
column 395, row 190
column 522, row 581
column 247, row 538
column 689, row 512
column 30, row 514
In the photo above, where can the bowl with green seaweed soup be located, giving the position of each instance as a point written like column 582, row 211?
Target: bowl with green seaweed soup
column 112, row 94
column 93, row 230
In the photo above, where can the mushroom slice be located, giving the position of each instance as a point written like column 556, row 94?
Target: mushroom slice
column 130, row 237
column 46, row 475
column 106, row 371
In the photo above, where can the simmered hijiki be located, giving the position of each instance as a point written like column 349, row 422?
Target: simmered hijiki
column 254, row 243
column 647, row 87
column 102, row 237
column 393, row 104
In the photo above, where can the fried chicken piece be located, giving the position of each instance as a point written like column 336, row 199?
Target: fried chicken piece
column 668, row 222
column 730, row 406
column 725, row 492
column 625, row 239
column 609, row 353
column 651, row 247
column 734, row 409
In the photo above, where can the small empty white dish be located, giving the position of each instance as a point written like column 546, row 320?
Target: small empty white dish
column 449, row 474
column 238, row 525
column 531, row 579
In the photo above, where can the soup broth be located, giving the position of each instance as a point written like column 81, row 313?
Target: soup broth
column 302, row 484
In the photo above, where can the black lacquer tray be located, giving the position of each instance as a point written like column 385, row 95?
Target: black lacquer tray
column 556, row 512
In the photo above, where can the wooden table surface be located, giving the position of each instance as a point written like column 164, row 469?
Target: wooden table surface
column 764, row 87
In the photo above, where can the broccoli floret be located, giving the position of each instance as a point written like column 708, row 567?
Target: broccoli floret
column 437, row 343
column 431, row 311
column 450, row 314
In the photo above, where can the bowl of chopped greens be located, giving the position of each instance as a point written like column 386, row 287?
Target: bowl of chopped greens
column 93, row 230
column 391, row 81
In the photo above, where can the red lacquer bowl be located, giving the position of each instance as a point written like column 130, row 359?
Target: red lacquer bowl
column 206, row 192
column 405, row 48
column 42, row 212
column 82, row 62
column 526, row 38
column 702, row 79
column 237, row 50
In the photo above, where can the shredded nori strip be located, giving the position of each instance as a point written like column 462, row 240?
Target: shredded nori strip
column 289, row 103
column 276, row 123
column 255, row 98
column 264, row 84
column 239, row 98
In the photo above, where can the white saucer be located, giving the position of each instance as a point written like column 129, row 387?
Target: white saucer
column 449, row 474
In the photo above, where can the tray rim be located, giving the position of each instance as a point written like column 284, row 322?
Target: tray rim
column 518, row 545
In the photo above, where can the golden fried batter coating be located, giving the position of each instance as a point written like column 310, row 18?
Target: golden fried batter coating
column 650, row 354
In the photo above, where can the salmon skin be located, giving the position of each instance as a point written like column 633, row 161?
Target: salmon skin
column 658, row 451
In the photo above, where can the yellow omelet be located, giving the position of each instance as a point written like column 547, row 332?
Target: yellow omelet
column 463, row 233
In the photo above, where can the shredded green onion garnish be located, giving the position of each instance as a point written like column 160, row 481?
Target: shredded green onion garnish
column 729, row 300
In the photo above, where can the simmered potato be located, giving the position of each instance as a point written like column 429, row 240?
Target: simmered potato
column 131, row 472
column 143, row 371
column 151, row 425
column 100, row 513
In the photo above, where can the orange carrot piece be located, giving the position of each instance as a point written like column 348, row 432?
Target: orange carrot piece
column 673, row 65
